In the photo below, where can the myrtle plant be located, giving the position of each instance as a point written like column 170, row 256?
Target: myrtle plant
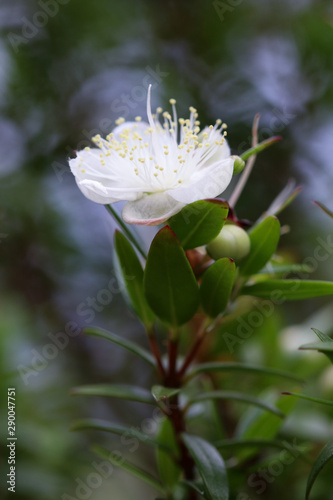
column 200, row 265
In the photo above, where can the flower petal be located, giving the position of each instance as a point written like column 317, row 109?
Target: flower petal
column 151, row 209
column 99, row 193
column 208, row 182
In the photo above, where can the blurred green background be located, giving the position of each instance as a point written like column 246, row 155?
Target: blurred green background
column 68, row 69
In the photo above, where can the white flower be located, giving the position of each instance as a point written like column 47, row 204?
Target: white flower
column 157, row 169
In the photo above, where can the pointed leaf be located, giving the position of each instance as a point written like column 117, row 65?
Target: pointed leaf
column 322, row 336
column 264, row 240
column 324, row 456
column 129, row 392
column 132, row 274
column 117, row 459
column 216, row 286
column 260, row 147
column 169, row 470
column 323, row 347
column 127, row 344
column 288, row 289
column 309, row 398
column 161, row 393
column 199, row 223
column 236, row 396
column 210, row 466
column 169, row 283
column 119, row 430
column 219, row 366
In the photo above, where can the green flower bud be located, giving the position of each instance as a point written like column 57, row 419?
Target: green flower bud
column 232, row 242
column 238, row 165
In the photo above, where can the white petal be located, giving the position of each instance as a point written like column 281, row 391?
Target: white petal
column 208, row 182
column 151, row 210
column 97, row 192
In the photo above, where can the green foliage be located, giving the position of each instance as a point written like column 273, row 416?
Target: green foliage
column 161, row 393
column 325, row 345
column 282, row 290
column 264, row 240
column 132, row 275
column 210, row 466
column 216, row 286
column 200, row 222
column 127, row 344
column 119, row 460
column 120, row 391
column 323, row 458
column 169, row 470
column 169, row 283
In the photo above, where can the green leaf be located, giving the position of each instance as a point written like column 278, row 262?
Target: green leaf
column 324, row 456
column 129, row 392
column 127, row 344
column 117, row 459
column 161, row 393
column 169, row 470
column 309, row 398
column 260, row 147
column 264, row 240
column 199, row 488
column 322, row 336
column 219, row 366
column 282, row 290
column 169, row 283
column 216, row 286
column 257, row 423
column 237, row 396
column 119, row 430
column 286, row 269
column 253, row 443
column 210, row 466
column 132, row 275
column 199, row 223
column 325, row 346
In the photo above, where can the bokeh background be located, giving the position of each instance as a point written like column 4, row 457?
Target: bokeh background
column 68, row 69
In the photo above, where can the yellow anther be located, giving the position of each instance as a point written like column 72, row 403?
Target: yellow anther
column 224, row 125
column 87, row 148
column 159, row 110
column 172, row 101
column 120, row 120
column 179, row 182
column 83, row 171
column 138, row 118
column 225, row 133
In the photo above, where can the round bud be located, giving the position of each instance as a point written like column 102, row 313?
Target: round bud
column 232, row 242
column 239, row 165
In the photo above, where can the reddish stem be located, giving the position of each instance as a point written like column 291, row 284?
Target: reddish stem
column 156, row 353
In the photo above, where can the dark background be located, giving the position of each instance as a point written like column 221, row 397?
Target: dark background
column 68, row 69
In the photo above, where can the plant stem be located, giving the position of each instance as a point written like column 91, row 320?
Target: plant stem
column 194, row 349
column 156, row 352
column 249, row 165
column 128, row 233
